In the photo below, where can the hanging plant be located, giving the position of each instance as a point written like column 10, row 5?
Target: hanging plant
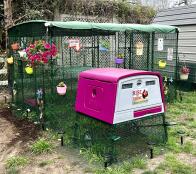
column 104, row 46
column 41, row 52
column 162, row 63
column 184, row 73
column 119, row 59
column 15, row 46
column 61, row 88
column 29, row 70
column 10, row 60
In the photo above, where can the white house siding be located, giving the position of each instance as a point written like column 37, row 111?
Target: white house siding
column 187, row 43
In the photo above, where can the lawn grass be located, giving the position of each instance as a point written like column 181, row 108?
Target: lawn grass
column 16, row 161
column 181, row 112
column 173, row 165
column 126, row 167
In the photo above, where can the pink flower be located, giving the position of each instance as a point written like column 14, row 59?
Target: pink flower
column 32, row 46
column 41, row 51
column 47, row 46
column 45, row 60
column 46, row 54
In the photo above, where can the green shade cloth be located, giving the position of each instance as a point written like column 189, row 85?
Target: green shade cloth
column 77, row 28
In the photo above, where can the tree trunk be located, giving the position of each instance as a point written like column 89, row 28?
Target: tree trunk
column 56, row 11
column 8, row 13
column 7, row 17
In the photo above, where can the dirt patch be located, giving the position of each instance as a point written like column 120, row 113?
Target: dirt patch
column 26, row 131
column 62, row 161
column 188, row 159
column 15, row 136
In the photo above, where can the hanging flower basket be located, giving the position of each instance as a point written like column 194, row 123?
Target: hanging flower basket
column 15, row 46
column 119, row 61
column 102, row 49
column 10, row 60
column 162, row 64
column 40, row 52
column 104, row 46
column 61, row 88
column 184, row 73
column 29, row 70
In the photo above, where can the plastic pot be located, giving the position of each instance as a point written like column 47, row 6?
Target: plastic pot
column 184, row 76
column 15, row 46
column 119, row 61
column 162, row 64
column 10, row 60
column 29, row 70
column 61, row 90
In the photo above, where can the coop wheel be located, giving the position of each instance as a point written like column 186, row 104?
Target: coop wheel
column 87, row 139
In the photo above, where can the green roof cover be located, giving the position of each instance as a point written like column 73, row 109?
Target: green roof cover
column 77, row 28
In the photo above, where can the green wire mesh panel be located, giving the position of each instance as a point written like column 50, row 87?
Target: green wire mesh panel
column 123, row 140
column 167, row 53
column 140, row 60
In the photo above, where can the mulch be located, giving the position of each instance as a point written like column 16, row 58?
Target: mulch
column 25, row 130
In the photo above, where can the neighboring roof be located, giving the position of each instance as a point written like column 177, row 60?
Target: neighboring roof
column 113, row 74
column 76, row 28
column 184, row 15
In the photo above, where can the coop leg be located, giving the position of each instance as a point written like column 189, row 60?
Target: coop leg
column 165, row 128
column 76, row 126
column 180, row 94
column 62, row 140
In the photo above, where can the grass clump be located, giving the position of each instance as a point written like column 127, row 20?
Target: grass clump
column 41, row 146
column 16, row 161
column 126, row 168
column 172, row 165
column 90, row 155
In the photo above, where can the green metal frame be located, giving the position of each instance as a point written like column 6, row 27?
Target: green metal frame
column 59, row 110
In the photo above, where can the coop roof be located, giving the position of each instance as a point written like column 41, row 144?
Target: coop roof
column 113, row 74
column 76, row 28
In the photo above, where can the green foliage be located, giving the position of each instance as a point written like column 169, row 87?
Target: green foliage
column 41, row 146
column 90, row 155
column 123, row 10
column 172, row 165
column 16, row 161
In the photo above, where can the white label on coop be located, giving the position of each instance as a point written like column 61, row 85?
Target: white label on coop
column 140, row 96
column 160, row 44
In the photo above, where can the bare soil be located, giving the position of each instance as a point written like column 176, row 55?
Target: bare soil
column 15, row 138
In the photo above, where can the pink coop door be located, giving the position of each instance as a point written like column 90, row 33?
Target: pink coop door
column 96, row 99
column 93, row 97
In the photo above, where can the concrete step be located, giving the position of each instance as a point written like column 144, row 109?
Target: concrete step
column 2, row 59
column 4, row 83
column 3, row 71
